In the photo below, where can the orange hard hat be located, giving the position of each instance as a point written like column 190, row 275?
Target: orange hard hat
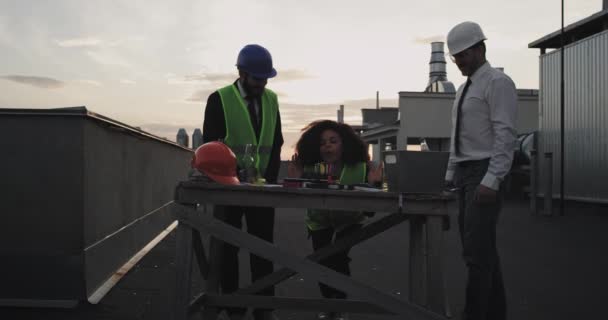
column 217, row 161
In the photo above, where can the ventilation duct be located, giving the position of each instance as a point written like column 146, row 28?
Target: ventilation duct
column 438, row 81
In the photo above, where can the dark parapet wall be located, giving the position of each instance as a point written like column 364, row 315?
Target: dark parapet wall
column 82, row 194
column 128, row 183
column 41, row 188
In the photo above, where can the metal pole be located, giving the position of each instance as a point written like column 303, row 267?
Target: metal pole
column 377, row 99
column 562, row 133
column 533, row 181
column 548, row 183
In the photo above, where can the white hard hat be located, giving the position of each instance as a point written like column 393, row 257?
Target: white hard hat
column 463, row 36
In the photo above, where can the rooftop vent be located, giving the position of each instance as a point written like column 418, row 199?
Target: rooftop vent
column 438, row 81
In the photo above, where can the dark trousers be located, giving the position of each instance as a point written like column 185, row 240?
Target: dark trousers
column 260, row 223
column 338, row 262
column 485, row 292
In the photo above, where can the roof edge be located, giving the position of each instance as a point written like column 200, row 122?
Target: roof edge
column 542, row 43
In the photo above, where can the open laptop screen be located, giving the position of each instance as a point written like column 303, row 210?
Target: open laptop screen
column 415, row 171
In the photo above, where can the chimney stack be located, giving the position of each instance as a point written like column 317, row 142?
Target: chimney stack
column 438, row 76
column 437, row 64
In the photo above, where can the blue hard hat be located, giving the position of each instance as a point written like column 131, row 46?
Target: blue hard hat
column 256, row 61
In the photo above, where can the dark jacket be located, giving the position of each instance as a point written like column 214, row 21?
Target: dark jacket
column 214, row 128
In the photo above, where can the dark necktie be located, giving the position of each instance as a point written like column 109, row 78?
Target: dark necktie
column 253, row 114
column 458, row 118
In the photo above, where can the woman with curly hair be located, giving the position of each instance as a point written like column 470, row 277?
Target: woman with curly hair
column 338, row 145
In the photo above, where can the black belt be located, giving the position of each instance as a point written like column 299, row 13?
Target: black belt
column 468, row 163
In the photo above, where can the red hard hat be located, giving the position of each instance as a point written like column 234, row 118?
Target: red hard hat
column 217, row 161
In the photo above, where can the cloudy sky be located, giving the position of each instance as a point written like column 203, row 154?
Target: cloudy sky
column 153, row 63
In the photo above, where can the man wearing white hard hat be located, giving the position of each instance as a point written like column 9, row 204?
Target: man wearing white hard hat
column 483, row 136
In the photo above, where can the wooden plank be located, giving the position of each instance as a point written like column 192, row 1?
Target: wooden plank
column 249, row 314
column 287, row 200
column 199, row 253
column 212, row 285
column 425, row 208
column 221, row 316
column 309, row 268
column 183, row 266
column 308, row 198
column 417, row 274
column 266, row 302
column 366, row 232
column 206, row 186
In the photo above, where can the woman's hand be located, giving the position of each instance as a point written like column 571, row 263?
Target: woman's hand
column 375, row 172
column 294, row 168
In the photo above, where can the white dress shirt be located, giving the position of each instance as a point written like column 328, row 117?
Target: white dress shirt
column 487, row 127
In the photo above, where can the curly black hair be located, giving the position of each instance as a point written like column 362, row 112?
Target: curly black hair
column 354, row 150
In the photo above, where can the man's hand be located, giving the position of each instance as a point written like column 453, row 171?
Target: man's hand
column 485, row 195
column 449, row 186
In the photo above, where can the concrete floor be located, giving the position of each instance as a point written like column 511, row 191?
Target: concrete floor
column 554, row 268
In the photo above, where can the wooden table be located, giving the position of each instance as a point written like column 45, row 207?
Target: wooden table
column 426, row 213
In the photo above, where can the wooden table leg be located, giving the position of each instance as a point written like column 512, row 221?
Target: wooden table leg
column 183, row 270
column 212, row 285
column 436, row 294
column 417, row 276
column 199, row 253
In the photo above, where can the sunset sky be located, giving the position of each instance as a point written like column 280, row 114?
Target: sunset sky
column 153, row 63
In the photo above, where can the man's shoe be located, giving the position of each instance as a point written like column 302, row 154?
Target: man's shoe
column 341, row 316
column 269, row 315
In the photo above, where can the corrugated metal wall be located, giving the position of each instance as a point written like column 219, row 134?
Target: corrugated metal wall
column 586, row 118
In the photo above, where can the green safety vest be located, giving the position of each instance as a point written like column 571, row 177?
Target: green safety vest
column 239, row 130
column 318, row 219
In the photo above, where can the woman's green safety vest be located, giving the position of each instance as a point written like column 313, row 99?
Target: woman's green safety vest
column 239, row 130
column 318, row 219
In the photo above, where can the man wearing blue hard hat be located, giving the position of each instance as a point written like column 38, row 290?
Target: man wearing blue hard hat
column 245, row 115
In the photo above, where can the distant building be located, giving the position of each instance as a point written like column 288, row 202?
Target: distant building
column 197, row 138
column 182, row 137
column 428, row 115
column 585, row 103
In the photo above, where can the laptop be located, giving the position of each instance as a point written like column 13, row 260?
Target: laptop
column 415, row 171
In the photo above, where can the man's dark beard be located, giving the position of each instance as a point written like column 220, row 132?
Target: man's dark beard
column 248, row 90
